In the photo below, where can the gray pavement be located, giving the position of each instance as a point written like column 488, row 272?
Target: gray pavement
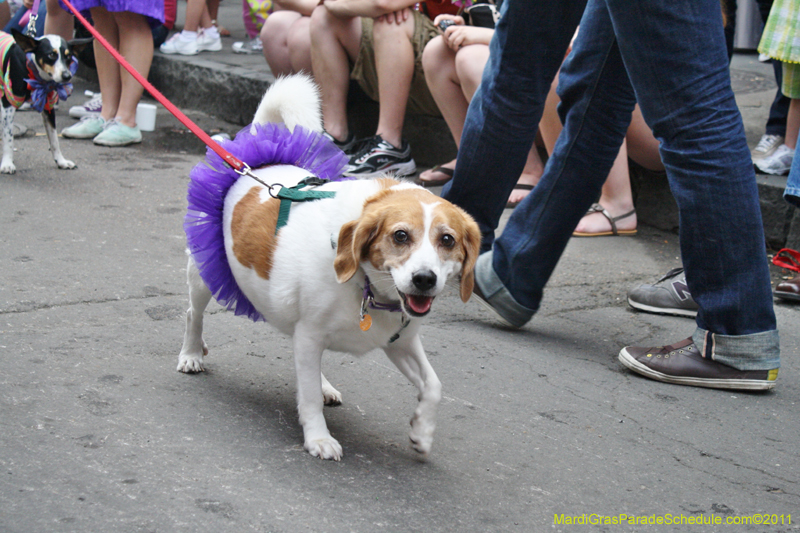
column 98, row 432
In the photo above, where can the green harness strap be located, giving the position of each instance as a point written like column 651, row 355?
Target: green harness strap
column 289, row 195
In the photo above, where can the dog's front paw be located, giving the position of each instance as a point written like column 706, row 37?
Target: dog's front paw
column 66, row 164
column 7, row 168
column 324, row 448
column 421, row 435
column 190, row 363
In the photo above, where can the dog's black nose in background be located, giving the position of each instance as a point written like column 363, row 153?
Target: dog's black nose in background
column 424, row 280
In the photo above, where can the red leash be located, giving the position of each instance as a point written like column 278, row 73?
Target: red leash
column 226, row 156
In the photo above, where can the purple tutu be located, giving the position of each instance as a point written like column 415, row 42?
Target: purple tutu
column 257, row 145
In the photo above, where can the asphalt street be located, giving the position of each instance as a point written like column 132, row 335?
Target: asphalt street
column 98, row 432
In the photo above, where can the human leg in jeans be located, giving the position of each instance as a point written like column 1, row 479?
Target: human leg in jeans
column 679, row 72
column 525, row 53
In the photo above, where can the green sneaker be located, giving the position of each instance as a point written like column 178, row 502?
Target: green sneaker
column 86, row 128
column 117, row 134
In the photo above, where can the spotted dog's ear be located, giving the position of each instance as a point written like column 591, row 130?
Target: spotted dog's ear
column 471, row 242
column 26, row 42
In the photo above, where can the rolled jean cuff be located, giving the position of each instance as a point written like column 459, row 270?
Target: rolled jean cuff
column 757, row 351
column 497, row 295
column 792, row 195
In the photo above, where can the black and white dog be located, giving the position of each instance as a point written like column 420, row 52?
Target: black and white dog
column 39, row 69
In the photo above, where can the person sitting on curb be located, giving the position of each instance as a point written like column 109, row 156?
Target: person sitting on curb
column 453, row 64
column 379, row 44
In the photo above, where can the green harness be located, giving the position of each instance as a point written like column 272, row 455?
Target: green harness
column 289, row 195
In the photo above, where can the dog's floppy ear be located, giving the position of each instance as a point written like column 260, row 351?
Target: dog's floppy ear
column 346, row 263
column 26, row 42
column 472, row 247
column 355, row 238
column 78, row 45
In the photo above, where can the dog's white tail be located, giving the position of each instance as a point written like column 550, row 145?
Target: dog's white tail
column 293, row 100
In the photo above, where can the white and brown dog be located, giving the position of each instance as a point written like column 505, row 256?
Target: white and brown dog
column 349, row 273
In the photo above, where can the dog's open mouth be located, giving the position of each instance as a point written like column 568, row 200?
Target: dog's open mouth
column 416, row 304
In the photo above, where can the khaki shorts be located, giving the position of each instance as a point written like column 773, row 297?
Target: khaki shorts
column 364, row 72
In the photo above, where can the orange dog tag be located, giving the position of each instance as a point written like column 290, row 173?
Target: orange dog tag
column 365, row 323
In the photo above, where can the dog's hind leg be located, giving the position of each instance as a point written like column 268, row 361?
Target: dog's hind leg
column 194, row 348
column 308, row 360
column 409, row 357
column 330, row 395
column 7, row 164
column 49, row 118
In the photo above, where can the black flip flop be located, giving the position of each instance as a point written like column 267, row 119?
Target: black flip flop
column 436, row 183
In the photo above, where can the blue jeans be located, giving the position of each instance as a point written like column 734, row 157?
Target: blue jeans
column 678, row 72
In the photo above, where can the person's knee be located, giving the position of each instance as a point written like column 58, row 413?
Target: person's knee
column 383, row 30
column 274, row 30
column 433, row 55
column 321, row 21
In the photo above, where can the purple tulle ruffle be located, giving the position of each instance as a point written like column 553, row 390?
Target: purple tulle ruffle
column 257, row 145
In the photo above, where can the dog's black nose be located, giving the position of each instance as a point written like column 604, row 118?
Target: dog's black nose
column 424, row 280
column 66, row 76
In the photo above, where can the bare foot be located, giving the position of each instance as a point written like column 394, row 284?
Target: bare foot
column 436, row 176
column 523, row 188
column 597, row 224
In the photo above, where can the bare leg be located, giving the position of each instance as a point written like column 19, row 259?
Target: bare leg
column 642, row 146
column 108, row 70
column 394, row 62
column 275, row 38
column 792, row 123
column 439, row 63
column 136, row 45
column 616, row 198
column 334, row 43
column 58, row 21
column 300, row 45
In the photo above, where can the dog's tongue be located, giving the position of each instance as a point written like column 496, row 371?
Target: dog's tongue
column 420, row 304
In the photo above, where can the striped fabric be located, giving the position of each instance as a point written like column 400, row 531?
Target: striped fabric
column 6, row 41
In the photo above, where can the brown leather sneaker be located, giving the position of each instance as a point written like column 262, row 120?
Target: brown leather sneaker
column 789, row 289
column 682, row 363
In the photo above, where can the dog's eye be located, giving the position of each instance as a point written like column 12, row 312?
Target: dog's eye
column 52, row 56
column 400, row 237
column 448, row 241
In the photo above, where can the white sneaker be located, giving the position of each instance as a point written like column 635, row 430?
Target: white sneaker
column 93, row 106
column 250, row 47
column 170, row 46
column 766, row 146
column 778, row 163
column 209, row 41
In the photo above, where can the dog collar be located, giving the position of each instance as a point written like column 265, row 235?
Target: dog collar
column 368, row 301
column 45, row 93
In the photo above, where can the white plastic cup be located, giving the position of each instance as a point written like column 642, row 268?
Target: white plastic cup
column 146, row 117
